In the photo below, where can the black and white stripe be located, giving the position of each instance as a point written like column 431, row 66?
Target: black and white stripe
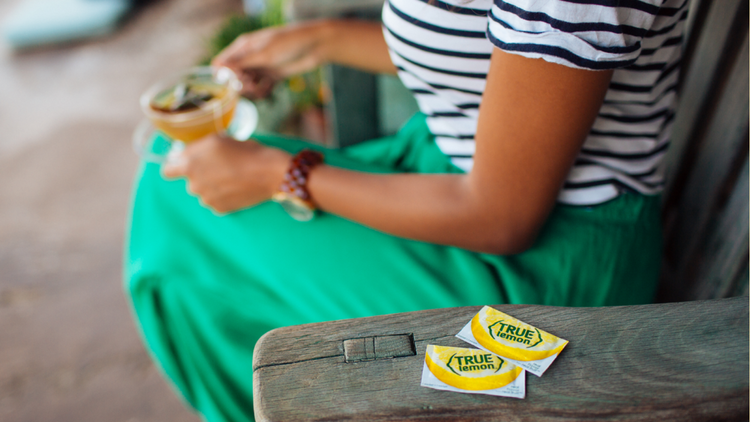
column 442, row 50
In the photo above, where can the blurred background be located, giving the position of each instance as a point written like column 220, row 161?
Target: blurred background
column 69, row 350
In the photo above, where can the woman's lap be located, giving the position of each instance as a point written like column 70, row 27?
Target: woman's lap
column 205, row 288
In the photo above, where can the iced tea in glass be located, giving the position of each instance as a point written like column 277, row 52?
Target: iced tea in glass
column 192, row 104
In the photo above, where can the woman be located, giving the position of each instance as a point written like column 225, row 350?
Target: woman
column 531, row 176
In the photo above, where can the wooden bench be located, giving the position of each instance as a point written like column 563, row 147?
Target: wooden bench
column 669, row 361
column 680, row 361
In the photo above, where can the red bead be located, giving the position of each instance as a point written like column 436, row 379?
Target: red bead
column 296, row 177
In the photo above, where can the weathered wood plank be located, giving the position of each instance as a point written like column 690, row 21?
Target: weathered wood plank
column 699, row 80
column 740, row 286
column 726, row 137
column 677, row 361
column 723, row 259
column 698, row 12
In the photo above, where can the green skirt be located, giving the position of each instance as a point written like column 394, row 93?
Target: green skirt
column 204, row 287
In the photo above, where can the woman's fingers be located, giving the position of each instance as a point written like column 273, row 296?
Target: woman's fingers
column 227, row 175
column 257, row 83
column 238, row 50
column 260, row 49
column 277, row 52
column 175, row 166
column 302, row 64
column 255, row 59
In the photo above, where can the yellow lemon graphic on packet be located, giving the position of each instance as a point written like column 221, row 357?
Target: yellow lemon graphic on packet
column 523, row 344
column 471, row 371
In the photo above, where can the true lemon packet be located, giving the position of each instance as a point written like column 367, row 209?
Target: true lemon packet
column 471, row 371
column 522, row 344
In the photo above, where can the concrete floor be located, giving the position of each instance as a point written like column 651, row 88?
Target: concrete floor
column 69, row 350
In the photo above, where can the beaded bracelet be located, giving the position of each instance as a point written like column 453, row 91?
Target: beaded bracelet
column 293, row 194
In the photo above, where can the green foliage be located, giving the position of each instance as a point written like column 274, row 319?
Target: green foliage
column 234, row 26
column 237, row 25
column 274, row 14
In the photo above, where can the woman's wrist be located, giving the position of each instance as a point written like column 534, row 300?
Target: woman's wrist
column 277, row 162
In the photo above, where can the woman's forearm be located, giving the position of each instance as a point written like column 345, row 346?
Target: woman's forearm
column 436, row 208
column 358, row 44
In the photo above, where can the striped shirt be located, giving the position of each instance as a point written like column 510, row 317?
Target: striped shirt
column 442, row 51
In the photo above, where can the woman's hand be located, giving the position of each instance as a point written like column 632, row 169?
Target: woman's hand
column 229, row 175
column 263, row 57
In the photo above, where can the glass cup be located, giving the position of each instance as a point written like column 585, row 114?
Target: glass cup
column 188, row 106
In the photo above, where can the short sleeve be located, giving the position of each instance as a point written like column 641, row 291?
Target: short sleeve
column 587, row 34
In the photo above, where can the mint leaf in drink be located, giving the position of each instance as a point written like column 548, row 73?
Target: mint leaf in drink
column 185, row 96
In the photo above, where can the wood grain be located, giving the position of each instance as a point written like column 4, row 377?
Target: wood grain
column 699, row 78
column 677, row 361
column 688, row 236
column 724, row 259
